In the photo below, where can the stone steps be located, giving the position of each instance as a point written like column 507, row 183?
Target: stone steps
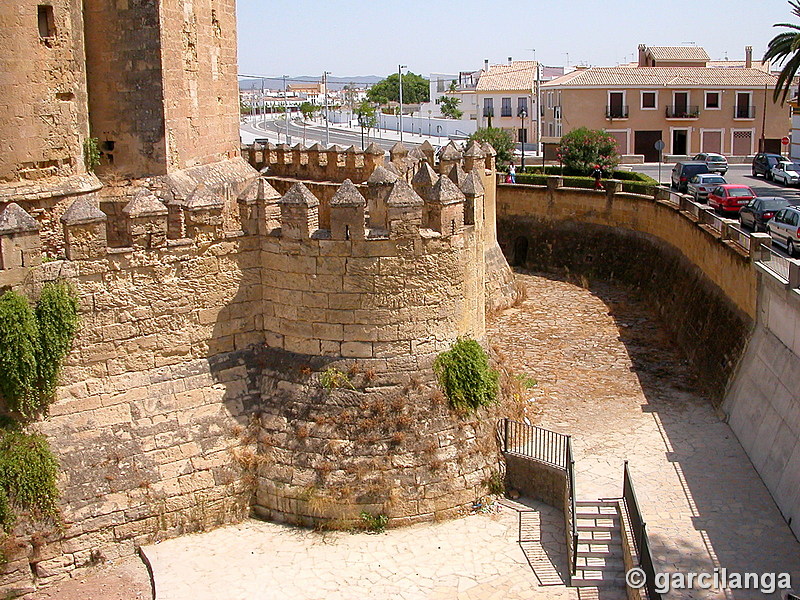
column 599, row 551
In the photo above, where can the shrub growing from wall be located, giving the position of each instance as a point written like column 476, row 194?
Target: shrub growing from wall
column 465, row 375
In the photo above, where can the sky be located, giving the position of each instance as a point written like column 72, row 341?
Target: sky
column 353, row 38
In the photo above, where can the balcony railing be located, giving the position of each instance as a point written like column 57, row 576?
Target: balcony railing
column 617, row 112
column 744, row 112
column 488, row 112
column 682, row 112
column 505, row 112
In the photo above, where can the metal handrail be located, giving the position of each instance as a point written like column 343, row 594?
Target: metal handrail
column 774, row 262
column 639, row 530
column 573, row 507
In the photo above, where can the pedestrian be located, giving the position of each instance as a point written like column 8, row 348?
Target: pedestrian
column 512, row 173
column 597, row 174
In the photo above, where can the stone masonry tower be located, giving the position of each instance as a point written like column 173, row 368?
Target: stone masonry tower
column 162, row 83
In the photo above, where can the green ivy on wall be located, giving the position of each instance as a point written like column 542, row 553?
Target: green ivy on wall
column 465, row 375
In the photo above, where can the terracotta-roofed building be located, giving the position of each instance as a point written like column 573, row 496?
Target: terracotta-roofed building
column 675, row 94
column 507, row 97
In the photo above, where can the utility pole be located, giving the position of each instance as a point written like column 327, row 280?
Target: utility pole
column 400, row 73
column 286, row 108
column 539, row 113
column 325, row 91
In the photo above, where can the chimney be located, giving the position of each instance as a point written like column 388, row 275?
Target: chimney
column 509, row 60
column 642, row 55
column 748, row 57
column 485, row 64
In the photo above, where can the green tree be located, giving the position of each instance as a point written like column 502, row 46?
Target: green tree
column 415, row 89
column 307, row 109
column 450, row 107
column 501, row 141
column 785, row 48
column 581, row 149
column 367, row 118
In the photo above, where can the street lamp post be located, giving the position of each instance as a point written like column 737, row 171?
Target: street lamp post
column 327, row 122
column 286, row 108
column 522, row 114
column 400, row 74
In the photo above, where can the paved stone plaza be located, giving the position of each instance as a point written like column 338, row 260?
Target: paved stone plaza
column 608, row 375
column 611, row 377
column 476, row 557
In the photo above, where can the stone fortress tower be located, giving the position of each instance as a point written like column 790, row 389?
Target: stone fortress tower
column 250, row 341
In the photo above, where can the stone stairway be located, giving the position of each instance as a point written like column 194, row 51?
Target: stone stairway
column 599, row 555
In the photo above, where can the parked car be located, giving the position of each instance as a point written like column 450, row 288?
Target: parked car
column 760, row 210
column 763, row 163
column 784, row 228
column 683, row 171
column 700, row 185
column 730, row 197
column 716, row 162
column 786, row 172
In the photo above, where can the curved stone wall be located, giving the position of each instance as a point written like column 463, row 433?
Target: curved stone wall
column 698, row 285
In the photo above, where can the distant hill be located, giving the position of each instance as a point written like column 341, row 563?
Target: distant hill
column 335, row 83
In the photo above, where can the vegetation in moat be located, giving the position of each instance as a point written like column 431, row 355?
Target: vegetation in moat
column 465, row 376
column 500, row 140
column 91, row 153
column 33, row 344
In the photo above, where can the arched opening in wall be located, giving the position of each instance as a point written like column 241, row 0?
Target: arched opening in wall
column 520, row 256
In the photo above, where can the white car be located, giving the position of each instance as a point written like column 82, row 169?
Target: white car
column 786, row 172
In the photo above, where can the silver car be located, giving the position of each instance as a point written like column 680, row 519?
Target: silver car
column 699, row 185
column 716, row 162
column 784, row 229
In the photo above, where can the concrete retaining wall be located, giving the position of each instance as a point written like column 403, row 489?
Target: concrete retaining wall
column 763, row 403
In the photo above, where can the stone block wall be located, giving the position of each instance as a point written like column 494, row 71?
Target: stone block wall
column 151, row 423
column 43, row 119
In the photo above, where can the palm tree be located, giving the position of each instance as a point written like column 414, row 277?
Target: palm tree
column 782, row 47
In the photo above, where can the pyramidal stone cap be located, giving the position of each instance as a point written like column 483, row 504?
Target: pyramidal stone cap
column 392, row 168
column 456, row 175
column 450, row 152
column 283, row 146
column 382, row 176
column 426, row 146
column 144, row 204
column 373, row 148
column 400, row 149
column 14, row 219
column 403, row 195
column 488, row 149
column 351, row 150
column 425, row 176
column 472, row 185
column 299, row 194
column 335, row 148
column 259, row 189
column 298, row 147
column 83, row 211
column 348, row 195
column 473, row 150
column 315, row 148
column 446, row 192
column 203, row 197
column 417, row 154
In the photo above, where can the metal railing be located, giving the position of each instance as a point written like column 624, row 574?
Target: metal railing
column 617, row 112
column 639, row 531
column 550, row 448
column 775, row 262
column 744, row 112
column 541, row 444
column 678, row 111
column 739, row 237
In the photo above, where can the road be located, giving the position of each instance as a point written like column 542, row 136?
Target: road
column 317, row 134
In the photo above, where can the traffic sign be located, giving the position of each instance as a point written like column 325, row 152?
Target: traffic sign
column 659, row 145
column 785, row 141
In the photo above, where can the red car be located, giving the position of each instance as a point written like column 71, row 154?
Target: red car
column 730, row 197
